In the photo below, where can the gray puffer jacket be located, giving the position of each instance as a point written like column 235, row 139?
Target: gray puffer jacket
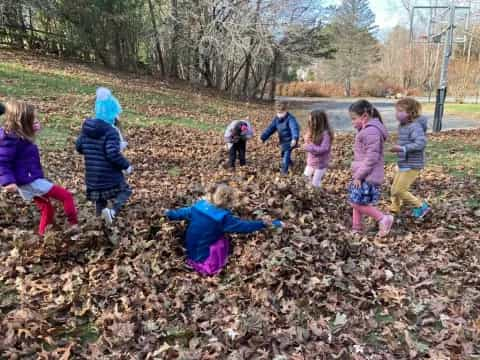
column 413, row 138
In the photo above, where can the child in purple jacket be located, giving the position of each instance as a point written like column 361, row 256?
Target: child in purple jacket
column 368, row 166
column 20, row 168
column 318, row 145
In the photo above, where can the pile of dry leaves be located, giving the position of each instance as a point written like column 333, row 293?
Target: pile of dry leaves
column 308, row 292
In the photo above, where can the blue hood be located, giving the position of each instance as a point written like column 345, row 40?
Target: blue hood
column 210, row 210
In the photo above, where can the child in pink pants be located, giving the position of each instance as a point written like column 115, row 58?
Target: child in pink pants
column 368, row 167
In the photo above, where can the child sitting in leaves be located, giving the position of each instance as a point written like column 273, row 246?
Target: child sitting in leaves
column 209, row 220
column 236, row 136
column 21, row 170
column 101, row 144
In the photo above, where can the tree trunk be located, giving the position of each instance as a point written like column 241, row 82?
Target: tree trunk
column 276, row 60
column 248, row 58
column 158, row 44
column 174, row 45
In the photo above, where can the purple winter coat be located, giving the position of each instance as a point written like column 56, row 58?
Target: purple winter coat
column 368, row 160
column 19, row 160
column 318, row 156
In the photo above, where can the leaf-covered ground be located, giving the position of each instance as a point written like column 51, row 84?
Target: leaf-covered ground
column 311, row 291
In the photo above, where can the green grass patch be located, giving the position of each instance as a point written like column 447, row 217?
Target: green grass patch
column 456, row 157
column 470, row 111
column 17, row 81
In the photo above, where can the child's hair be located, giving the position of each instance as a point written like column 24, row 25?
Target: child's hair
column 19, row 119
column 317, row 124
column 281, row 106
column 222, row 195
column 361, row 107
column 411, row 106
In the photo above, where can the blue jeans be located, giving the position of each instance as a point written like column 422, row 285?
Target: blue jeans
column 118, row 202
column 286, row 157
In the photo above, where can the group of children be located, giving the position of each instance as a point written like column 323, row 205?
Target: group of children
column 102, row 144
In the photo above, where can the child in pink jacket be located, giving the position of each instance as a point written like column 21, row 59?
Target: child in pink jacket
column 368, row 166
column 318, row 145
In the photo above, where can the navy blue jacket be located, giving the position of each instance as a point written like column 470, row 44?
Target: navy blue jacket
column 208, row 224
column 287, row 128
column 99, row 142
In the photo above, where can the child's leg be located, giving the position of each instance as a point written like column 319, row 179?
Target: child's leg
column 286, row 160
column 369, row 210
column 47, row 213
column 121, row 199
column 317, row 177
column 232, row 155
column 396, row 205
column 99, row 206
column 357, row 221
column 309, row 171
column 242, row 152
column 60, row 194
column 403, row 184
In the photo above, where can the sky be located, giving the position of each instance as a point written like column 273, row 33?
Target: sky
column 388, row 13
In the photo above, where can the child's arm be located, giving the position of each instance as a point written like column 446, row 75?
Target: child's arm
column 233, row 224
column 294, row 128
column 179, row 214
column 269, row 131
column 323, row 148
column 372, row 156
column 228, row 132
column 7, row 158
column 112, row 151
column 418, row 140
column 79, row 144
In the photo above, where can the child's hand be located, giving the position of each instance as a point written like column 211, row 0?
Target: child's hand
column 396, row 149
column 129, row 170
column 293, row 143
column 11, row 188
column 357, row 183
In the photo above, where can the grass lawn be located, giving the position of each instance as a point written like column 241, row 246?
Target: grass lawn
column 469, row 111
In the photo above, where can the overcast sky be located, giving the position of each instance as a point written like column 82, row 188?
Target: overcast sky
column 388, row 13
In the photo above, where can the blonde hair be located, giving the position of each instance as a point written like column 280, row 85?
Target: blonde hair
column 317, row 125
column 222, row 195
column 19, row 119
column 411, row 106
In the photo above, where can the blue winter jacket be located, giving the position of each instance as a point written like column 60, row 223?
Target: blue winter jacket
column 99, row 142
column 209, row 223
column 287, row 128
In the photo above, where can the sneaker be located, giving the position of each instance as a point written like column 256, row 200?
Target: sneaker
column 385, row 225
column 420, row 212
column 108, row 215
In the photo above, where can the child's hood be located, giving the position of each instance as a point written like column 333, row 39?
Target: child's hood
column 423, row 121
column 95, row 128
column 376, row 123
column 210, row 210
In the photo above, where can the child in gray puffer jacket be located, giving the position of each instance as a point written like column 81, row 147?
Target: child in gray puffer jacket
column 412, row 140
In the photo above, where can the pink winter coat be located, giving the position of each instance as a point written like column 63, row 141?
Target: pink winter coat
column 318, row 156
column 368, row 161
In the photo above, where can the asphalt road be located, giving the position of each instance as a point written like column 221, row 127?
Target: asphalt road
column 337, row 109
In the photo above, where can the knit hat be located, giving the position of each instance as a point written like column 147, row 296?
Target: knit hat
column 107, row 107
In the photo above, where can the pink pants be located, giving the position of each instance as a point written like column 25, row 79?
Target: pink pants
column 360, row 210
column 216, row 261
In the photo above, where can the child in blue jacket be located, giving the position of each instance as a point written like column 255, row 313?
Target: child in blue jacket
column 288, row 133
column 207, row 247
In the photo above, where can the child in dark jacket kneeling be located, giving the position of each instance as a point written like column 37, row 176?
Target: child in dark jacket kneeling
column 207, row 246
column 286, row 125
column 105, row 165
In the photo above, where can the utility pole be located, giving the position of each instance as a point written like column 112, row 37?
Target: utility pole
column 443, row 85
column 448, row 35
